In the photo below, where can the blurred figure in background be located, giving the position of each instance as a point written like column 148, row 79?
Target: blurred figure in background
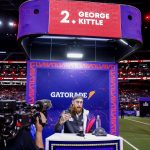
column 122, row 112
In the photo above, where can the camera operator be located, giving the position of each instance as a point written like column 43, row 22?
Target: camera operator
column 24, row 141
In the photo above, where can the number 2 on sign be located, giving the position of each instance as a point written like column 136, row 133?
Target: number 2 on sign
column 65, row 19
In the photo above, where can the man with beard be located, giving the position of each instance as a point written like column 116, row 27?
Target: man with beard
column 73, row 120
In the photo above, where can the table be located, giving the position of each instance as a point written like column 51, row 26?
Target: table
column 65, row 141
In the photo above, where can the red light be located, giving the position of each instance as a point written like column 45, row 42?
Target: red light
column 18, row 124
column 12, row 24
column 147, row 17
column 22, row 73
column 15, row 24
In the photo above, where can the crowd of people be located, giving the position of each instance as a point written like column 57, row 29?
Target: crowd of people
column 13, row 70
column 134, row 69
column 16, row 92
column 129, row 97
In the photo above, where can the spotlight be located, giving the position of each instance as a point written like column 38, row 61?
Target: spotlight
column 12, row 24
column 74, row 55
column 124, row 42
column 2, row 52
column 1, row 23
column 147, row 17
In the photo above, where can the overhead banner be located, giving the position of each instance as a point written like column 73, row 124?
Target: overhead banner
column 84, row 18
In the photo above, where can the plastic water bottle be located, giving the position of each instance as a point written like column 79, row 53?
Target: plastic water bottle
column 98, row 121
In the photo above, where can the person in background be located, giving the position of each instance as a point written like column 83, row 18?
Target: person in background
column 122, row 112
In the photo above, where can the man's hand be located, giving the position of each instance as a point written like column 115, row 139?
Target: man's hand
column 64, row 117
column 38, row 125
column 39, row 129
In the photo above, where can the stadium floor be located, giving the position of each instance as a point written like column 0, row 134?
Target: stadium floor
column 136, row 131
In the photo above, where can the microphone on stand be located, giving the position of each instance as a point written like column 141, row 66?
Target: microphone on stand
column 81, row 130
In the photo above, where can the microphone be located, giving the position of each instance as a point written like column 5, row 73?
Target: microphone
column 81, row 130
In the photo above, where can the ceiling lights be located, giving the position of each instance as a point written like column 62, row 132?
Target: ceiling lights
column 75, row 55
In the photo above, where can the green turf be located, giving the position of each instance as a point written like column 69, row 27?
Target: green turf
column 136, row 133
column 142, row 119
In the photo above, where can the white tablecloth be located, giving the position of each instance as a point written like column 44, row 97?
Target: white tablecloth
column 87, row 137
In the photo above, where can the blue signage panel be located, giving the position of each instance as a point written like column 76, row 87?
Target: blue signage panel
column 61, row 85
column 60, row 81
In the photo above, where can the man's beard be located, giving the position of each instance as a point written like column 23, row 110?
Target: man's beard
column 76, row 110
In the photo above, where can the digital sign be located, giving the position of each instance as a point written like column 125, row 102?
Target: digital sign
column 84, row 19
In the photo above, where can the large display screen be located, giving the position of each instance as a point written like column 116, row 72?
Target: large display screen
column 84, row 18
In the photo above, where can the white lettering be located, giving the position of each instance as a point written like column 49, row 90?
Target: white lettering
column 52, row 94
column 61, row 94
column 57, row 94
column 71, row 94
column 85, row 95
column 68, row 94
column 81, row 21
column 86, row 14
column 91, row 22
column 81, row 14
column 102, row 15
column 93, row 15
column 107, row 16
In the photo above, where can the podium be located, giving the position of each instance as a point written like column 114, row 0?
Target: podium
column 65, row 141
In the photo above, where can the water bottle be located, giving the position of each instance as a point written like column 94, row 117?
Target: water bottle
column 98, row 121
